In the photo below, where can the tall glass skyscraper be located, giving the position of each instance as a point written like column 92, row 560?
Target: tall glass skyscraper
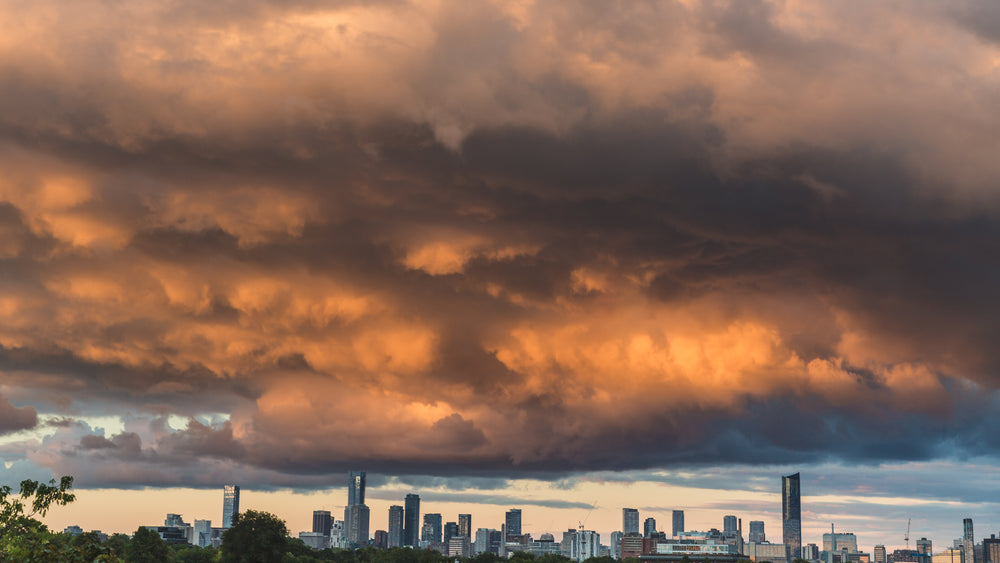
column 630, row 521
column 678, row 522
column 791, row 515
column 230, row 504
column 968, row 541
column 356, row 489
column 649, row 527
column 411, row 517
column 513, row 522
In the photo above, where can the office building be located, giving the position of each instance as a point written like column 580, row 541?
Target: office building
column 968, row 541
column 615, row 547
column 322, row 522
column 395, row 538
column 925, row 546
column 630, row 521
column 678, row 523
column 459, row 546
column 512, row 522
column 991, row 549
column 356, row 488
column 411, row 523
column 762, row 551
column 356, row 518
column 450, row 531
column 840, row 542
column 757, row 532
column 314, row 540
column 879, row 553
column 950, row 555
column 791, row 514
column 729, row 525
column 202, row 533
column 230, row 504
column 465, row 525
column 810, row 552
column 431, row 531
column 649, row 528
column 487, row 541
column 380, row 539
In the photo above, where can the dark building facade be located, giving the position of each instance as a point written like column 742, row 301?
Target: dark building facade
column 411, row 525
column 465, row 525
column 678, row 522
column 450, row 531
column 513, row 522
column 380, row 540
column 395, row 532
column 322, row 522
column 356, row 488
column 791, row 514
column 991, row 549
column 649, row 527
column 432, row 522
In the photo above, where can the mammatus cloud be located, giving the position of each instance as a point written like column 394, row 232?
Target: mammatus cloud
column 494, row 239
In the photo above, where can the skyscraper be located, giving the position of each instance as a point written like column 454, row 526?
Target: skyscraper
column 991, row 549
column 678, row 522
column 630, row 521
column 968, row 541
column 322, row 522
column 649, row 527
column 513, row 522
column 230, row 504
column 729, row 524
column 433, row 526
column 925, row 545
column 411, row 524
column 356, row 488
column 450, row 531
column 465, row 525
column 878, row 554
column 395, row 526
column 356, row 519
column 791, row 515
column 757, row 532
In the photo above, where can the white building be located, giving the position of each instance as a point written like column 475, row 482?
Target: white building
column 580, row 545
column 764, row 551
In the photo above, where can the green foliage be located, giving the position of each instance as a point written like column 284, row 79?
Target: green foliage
column 193, row 554
column 22, row 536
column 147, row 546
column 256, row 537
column 604, row 559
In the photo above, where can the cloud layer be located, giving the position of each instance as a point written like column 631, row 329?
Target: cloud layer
column 496, row 239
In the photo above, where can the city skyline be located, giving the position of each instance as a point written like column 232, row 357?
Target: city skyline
column 723, row 520
column 560, row 255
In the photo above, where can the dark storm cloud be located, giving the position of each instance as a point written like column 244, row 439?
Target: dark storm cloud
column 496, row 239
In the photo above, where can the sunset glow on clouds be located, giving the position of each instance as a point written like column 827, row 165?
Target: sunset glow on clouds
column 494, row 240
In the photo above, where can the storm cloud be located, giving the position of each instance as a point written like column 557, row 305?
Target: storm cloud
column 488, row 240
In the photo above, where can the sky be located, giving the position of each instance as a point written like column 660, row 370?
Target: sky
column 553, row 254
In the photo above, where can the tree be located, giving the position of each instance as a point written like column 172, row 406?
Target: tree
column 22, row 536
column 147, row 547
column 256, row 537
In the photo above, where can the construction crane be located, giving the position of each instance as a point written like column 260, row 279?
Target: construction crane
column 907, row 536
column 593, row 505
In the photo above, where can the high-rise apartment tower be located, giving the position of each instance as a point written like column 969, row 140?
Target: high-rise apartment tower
column 230, row 504
column 791, row 515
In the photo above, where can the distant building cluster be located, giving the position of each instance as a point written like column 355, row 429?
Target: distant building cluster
column 406, row 529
